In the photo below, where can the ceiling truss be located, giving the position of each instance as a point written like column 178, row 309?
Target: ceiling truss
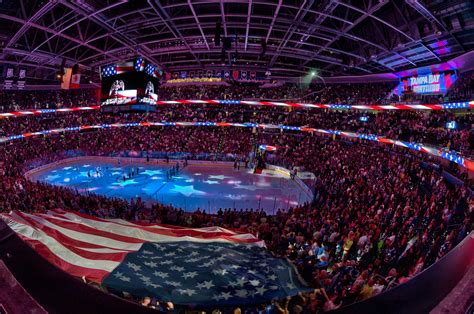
column 335, row 37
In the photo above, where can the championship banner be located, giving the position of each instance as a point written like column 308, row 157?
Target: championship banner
column 243, row 75
column 191, row 74
column 226, row 74
column 209, row 73
column 21, row 79
column 184, row 74
column 168, row 76
column 218, row 73
column 9, row 75
column 253, row 75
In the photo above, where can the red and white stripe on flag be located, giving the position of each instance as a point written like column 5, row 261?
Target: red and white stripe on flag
column 124, row 67
column 92, row 247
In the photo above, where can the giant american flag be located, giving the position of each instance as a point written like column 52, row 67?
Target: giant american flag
column 188, row 266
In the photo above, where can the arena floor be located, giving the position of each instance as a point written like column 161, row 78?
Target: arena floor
column 208, row 185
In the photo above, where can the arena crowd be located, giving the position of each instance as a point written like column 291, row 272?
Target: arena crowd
column 412, row 126
column 372, row 225
column 380, row 215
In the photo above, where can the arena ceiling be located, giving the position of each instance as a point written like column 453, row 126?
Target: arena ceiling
column 334, row 37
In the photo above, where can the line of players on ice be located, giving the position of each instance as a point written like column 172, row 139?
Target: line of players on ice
column 99, row 171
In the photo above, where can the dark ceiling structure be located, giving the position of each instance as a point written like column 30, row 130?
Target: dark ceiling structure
column 290, row 38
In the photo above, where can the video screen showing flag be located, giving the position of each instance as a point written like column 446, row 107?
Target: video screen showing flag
column 130, row 83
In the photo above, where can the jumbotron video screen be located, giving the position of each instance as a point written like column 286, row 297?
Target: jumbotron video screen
column 130, row 83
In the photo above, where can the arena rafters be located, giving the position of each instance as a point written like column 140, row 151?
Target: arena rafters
column 286, row 38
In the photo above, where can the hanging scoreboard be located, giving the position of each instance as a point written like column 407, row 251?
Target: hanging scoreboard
column 131, row 85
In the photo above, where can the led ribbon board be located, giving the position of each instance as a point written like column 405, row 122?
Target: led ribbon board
column 443, row 153
column 444, row 106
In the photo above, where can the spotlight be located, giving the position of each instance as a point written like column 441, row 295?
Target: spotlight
column 313, row 73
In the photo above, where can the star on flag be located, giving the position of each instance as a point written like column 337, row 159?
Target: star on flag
column 161, row 274
column 205, row 284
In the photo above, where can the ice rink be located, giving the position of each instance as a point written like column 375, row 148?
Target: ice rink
column 207, row 185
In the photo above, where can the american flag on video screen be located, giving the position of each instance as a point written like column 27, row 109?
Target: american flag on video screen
column 206, row 266
column 109, row 70
column 115, row 69
column 153, row 70
column 139, row 64
column 150, row 69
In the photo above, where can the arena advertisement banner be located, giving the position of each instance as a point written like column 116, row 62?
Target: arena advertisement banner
column 428, row 83
column 231, row 75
